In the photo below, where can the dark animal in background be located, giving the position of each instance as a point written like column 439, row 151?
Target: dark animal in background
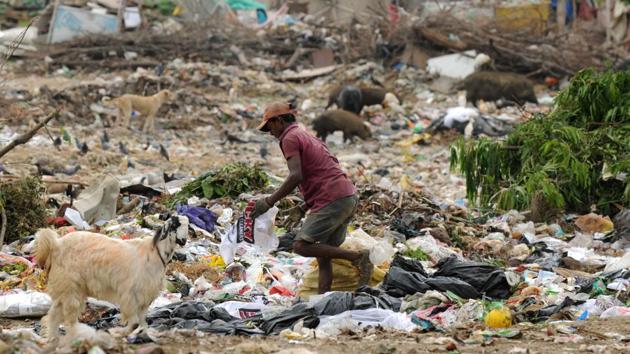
column 369, row 96
column 350, row 99
column 339, row 120
column 492, row 86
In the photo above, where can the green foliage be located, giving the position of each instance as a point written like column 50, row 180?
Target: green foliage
column 571, row 156
column 228, row 181
column 417, row 254
column 165, row 7
column 24, row 206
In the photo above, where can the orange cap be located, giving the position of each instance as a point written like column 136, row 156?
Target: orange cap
column 274, row 110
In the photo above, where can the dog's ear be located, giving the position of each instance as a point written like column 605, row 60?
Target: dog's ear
column 165, row 216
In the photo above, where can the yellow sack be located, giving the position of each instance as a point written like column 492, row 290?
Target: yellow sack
column 345, row 278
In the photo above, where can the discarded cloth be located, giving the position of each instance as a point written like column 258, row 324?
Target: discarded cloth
column 198, row 216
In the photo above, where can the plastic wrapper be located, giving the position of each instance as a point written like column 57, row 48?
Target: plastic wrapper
column 356, row 319
column 24, row 304
column 381, row 251
column 274, row 324
column 617, row 311
column 259, row 232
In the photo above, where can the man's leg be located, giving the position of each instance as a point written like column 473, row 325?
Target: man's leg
column 325, row 274
column 320, row 250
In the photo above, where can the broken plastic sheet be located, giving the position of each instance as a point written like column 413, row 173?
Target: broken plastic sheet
column 335, row 303
column 202, row 316
column 487, row 279
column 332, row 326
column 275, row 323
column 469, row 280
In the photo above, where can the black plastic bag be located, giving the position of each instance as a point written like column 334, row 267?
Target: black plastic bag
column 335, row 303
column 408, row 264
column 486, row 278
column 218, row 326
column 286, row 319
column 457, row 286
column 399, row 282
column 368, row 298
column 187, row 310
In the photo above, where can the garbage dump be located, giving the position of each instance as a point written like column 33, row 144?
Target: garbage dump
column 462, row 215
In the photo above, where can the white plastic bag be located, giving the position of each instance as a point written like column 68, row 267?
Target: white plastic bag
column 353, row 319
column 242, row 309
column 430, row 246
column 617, row 311
column 380, row 251
column 618, row 263
column 24, row 304
column 263, row 236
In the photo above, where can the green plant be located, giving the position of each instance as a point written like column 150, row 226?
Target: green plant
column 230, row 180
column 571, row 158
column 23, row 204
column 417, row 254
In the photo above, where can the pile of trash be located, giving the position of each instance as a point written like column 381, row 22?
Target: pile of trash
column 233, row 279
column 441, row 265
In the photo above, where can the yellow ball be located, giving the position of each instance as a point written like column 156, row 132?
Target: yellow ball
column 499, row 318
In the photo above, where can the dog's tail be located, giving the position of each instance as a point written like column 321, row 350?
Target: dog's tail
column 46, row 244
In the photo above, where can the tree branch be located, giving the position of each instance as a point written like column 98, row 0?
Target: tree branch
column 24, row 138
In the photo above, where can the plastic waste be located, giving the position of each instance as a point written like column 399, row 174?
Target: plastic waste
column 499, row 318
column 619, row 284
column 286, row 319
column 591, row 223
column 617, row 264
column 345, row 278
column 241, row 309
column 24, row 304
column 617, row 311
column 381, row 251
column 485, row 278
column 259, row 232
column 431, row 247
column 526, row 230
column 198, row 216
column 97, row 204
column 595, row 307
column 74, row 218
column 337, row 302
column 356, row 319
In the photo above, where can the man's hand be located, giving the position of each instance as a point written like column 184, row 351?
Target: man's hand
column 260, row 208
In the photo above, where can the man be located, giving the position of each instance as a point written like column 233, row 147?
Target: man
column 329, row 195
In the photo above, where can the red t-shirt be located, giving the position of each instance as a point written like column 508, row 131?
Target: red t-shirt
column 323, row 181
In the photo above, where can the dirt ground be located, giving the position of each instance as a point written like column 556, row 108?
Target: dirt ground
column 610, row 335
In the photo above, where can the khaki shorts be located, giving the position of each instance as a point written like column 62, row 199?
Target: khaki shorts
column 329, row 224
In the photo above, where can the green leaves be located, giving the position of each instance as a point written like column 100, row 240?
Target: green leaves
column 228, row 181
column 559, row 155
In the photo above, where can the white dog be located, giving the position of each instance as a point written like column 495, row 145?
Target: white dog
column 127, row 273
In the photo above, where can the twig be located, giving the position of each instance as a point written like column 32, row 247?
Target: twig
column 13, row 46
column 51, row 138
column 4, row 224
column 24, row 138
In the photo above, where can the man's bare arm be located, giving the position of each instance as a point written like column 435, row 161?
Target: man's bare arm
column 289, row 184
